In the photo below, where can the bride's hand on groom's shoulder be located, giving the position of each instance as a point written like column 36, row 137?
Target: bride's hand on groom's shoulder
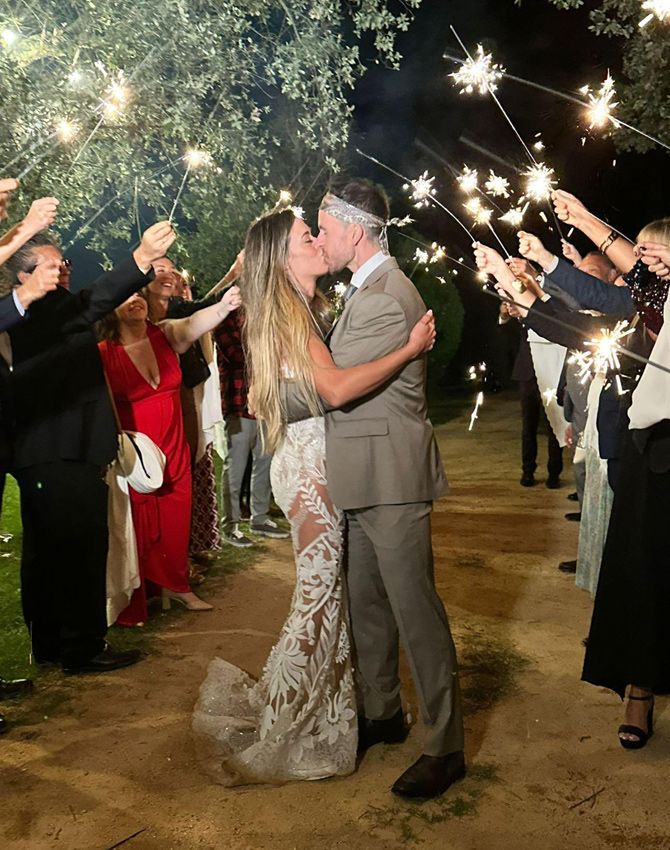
column 422, row 337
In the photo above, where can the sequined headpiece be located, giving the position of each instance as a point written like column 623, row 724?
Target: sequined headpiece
column 350, row 214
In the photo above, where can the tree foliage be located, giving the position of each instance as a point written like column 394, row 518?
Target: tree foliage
column 645, row 94
column 260, row 85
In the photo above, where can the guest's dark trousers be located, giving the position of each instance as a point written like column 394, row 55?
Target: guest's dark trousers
column 532, row 410
column 63, row 567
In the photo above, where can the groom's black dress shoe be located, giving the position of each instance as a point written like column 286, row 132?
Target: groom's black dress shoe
column 391, row 731
column 105, row 661
column 430, row 776
column 14, row 687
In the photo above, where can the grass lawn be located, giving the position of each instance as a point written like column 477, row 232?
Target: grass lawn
column 14, row 642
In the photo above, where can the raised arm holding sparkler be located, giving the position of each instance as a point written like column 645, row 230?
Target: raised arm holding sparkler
column 608, row 241
column 41, row 215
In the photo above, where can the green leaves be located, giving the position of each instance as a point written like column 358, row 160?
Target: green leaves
column 262, row 86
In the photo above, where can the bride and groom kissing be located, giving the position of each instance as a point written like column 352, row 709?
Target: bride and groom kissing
column 355, row 470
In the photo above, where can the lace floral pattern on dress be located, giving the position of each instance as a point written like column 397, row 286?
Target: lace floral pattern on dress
column 299, row 720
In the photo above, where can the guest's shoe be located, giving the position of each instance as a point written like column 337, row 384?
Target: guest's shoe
column 553, row 482
column 14, row 687
column 269, row 528
column 188, row 600
column 236, row 538
column 528, row 480
column 568, row 566
column 391, row 731
column 640, row 734
column 430, row 776
column 575, row 516
column 104, row 662
column 205, row 559
column 3, row 724
column 573, row 497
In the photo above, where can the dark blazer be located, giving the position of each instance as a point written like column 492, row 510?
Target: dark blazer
column 62, row 409
column 592, row 293
column 9, row 313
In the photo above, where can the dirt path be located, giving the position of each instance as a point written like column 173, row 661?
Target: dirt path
column 546, row 772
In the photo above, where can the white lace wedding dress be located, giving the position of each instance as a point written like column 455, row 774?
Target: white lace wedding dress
column 299, row 720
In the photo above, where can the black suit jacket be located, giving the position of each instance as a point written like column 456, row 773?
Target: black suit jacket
column 9, row 316
column 62, row 409
column 9, row 313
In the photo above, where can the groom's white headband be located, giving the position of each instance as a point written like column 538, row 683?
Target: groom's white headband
column 350, row 214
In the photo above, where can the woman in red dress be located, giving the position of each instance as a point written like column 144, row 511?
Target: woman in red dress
column 142, row 366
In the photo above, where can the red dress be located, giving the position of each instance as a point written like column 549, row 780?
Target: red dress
column 162, row 519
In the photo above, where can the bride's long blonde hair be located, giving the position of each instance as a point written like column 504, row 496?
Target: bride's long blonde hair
column 278, row 323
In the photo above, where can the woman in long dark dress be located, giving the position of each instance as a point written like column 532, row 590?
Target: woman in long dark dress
column 628, row 647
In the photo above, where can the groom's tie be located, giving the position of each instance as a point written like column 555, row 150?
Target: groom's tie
column 348, row 292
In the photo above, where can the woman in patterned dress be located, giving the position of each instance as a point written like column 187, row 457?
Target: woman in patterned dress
column 299, row 720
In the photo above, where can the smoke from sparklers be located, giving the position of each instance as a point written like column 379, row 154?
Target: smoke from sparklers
column 478, row 74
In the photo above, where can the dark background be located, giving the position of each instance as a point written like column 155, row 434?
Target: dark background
column 397, row 111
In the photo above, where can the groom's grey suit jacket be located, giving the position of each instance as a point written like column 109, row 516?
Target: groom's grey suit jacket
column 380, row 450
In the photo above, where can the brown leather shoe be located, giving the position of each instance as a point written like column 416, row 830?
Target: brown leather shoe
column 430, row 776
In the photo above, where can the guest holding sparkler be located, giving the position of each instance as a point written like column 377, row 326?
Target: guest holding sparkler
column 142, row 367
column 65, row 436
column 629, row 640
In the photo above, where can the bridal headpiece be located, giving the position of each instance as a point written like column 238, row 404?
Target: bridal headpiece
column 350, row 214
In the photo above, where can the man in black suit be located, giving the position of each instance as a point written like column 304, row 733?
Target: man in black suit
column 12, row 311
column 65, row 436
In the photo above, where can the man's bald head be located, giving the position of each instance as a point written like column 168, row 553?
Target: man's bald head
column 599, row 266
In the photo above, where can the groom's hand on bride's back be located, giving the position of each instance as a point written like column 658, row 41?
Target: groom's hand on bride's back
column 422, row 337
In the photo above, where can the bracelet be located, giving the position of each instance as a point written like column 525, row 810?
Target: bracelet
column 612, row 237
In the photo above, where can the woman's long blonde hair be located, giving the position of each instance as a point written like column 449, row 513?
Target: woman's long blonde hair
column 278, row 324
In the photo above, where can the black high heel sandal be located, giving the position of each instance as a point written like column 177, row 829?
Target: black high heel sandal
column 641, row 735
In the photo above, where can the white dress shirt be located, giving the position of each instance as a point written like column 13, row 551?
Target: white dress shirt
column 363, row 273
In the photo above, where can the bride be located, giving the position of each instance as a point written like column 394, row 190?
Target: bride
column 299, row 720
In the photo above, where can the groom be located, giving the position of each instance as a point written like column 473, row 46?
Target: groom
column 384, row 471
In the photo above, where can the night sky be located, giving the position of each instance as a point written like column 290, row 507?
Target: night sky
column 399, row 114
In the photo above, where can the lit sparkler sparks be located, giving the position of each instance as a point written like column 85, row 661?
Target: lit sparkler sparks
column 601, row 104
column 421, row 190
column 540, row 182
column 285, row 197
column 497, row 186
column 478, row 74
column 604, row 356
column 479, row 213
column 657, row 9
column 9, row 37
column 421, row 256
column 514, row 216
column 66, row 130
column 478, row 403
column 439, row 253
column 196, row 158
column 468, row 180
column 117, row 96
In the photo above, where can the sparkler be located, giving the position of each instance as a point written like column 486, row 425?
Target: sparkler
column 468, row 180
column 514, row 216
column 478, row 403
column 657, row 9
column 66, row 130
column 601, row 104
column 439, row 253
column 540, row 182
column 9, row 37
column 478, row 74
column 194, row 158
column 421, row 190
column 408, row 183
column 497, row 186
column 285, row 197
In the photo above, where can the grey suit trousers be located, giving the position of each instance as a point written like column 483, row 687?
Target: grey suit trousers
column 392, row 594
